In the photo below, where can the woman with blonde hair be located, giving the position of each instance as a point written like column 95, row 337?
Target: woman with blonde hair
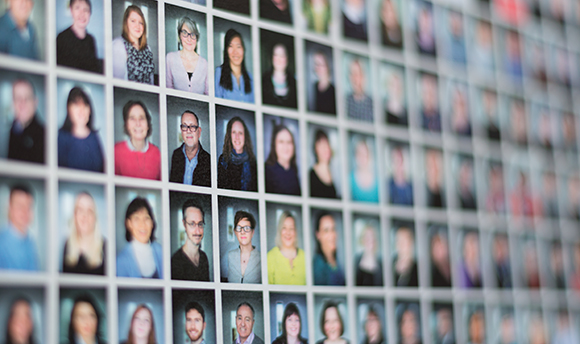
column 84, row 250
column 286, row 261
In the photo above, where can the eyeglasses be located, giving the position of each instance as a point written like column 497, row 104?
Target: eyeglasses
column 193, row 224
column 186, row 34
column 185, row 127
column 245, row 229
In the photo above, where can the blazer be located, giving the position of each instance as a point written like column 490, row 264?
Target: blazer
column 253, row 273
column 127, row 265
column 202, row 172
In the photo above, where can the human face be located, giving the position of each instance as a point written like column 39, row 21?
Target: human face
column 20, row 323
column 194, row 325
column 79, row 113
column 24, row 102
column 284, row 147
column 326, row 234
column 293, row 325
column 137, row 125
column 323, row 151
column 244, row 238
column 369, row 240
column 85, row 217
column 238, row 137
column 193, row 217
column 20, row 11
column 188, row 38
column 332, row 326
column 236, row 52
column 84, row 320
column 140, row 225
column 288, row 233
column 141, row 324
column 279, row 58
column 356, row 78
column 20, row 210
column 362, row 155
column 81, row 14
column 372, row 326
column 404, row 243
column 244, row 322
column 190, row 138
column 408, row 325
column 320, row 66
column 135, row 26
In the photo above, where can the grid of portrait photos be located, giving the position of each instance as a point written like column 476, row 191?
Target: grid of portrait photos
column 250, row 171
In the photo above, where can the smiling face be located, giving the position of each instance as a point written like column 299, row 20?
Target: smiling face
column 194, row 233
column 84, row 320
column 141, row 324
column 190, row 137
column 135, row 26
column 84, row 215
column 20, row 11
column 293, row 325
column 20, row 212
column 81, row 14
column 238, row 137
column 20, row 322
column 137, row 126
column 332, row 326
column 244, row 322
column 194, row 325
column 244, row 238
column 79, row 113
column 408, row 325
column 288, row 233
column 326, row 234
column 140, row 225
column 357, row 78
column 236, row 52
column 284, row 147
column 24, row 102
column 190, row 42
column 279, row 58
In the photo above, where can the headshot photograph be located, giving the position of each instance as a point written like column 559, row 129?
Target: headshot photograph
column 469, row 267
column 522, row 203
column 481, row 48
column 500, row 258
column 542, row 125
column 23, row 235
column 465, row 188
column 371, row 321
column 233, row 60
column 29, row 18
column 331, row 319
column 495, row 201
column 363, row 178
column 422, row 22
column 191, row 237
column 80, row 42
column 137, row 134
column 328, row 248
column 439, row 253
column 486, row 113
column 241, row 7
column 83, row 231
column 138, row 248
column 510, row 61
column 282, row 154
column 441, row 324
column 83, row 316
column 434, row 178
column 277, row 10
column 399, row 172
column 516, row 118
column 325, row 172
column 243, row 317
column 288, row 318
column 452, row 33
column 286, row 257
column 535, row 60
column 456, row 104
column 22, row 133
column 239, row 238
column 317, row 16
column 393, row 93
column 188, row 133
column 358, row 91
column 22, row 311
column 81, row 120
column 186, row 67
column 408, row 314
column 278, row 69
column 566, row 131
column 236, row 148
column 354, row 19
column 404, row 254
column 391, row 15
column 141, row 318
column 427, row 86
column 368, row 250
column 320, row 80
column 473, row 330
column 503, row 318
column 194, row 316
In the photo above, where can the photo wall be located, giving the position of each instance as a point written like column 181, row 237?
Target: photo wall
column 378, row 171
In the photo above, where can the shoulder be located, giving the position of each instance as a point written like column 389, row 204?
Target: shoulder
column 273, row 253
column 202, row 62
column 203, row 154
column 218, row 72
column 172, row 55
column 153, row 149
column 177, row 151
column 120, row 146
column 177, row 256
column 156, row 247
column 119, row 42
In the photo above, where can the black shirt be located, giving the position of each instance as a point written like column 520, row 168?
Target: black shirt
column 27, row 145
column 325, row 100
column 182, row 268
column 77, row 53
column 319, row 189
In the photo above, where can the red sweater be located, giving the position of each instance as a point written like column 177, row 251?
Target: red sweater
column 137, row 164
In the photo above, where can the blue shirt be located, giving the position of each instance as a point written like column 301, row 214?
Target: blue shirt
column 190, row 166
column 237, row 93
column 17, row 251
column 17, row 42
column 83, row 154
column 401, row 194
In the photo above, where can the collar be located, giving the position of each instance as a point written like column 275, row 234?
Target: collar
column 13, row 23
column 248, row 341
column 133, row 149
column 196, row 153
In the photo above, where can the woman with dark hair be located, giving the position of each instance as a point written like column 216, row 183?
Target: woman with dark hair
column 20, row 324
column 142, row 329
column 278, row 84
column 281, row 169
column 321, row 184
column 323, row 89
column 237, row 169
column 185, row 69
column 244, row 264
column 373, row 328
column 291, row 326
column 278, row 10
column 325, row 265
column 331, row 324
column 133, row 58
column 137, row 157
column 232, row 80
column 78, row 142
column 85, row 320
column 142, row 256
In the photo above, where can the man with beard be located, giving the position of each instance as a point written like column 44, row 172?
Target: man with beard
column 194, row 322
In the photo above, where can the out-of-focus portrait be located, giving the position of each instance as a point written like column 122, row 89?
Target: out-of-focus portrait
column 480, row 44
column 408, row 326
column 500, row 260
column 288, row 318
column 22, row 310
column 511, row 56
column 83, row 316
column 469, row 266
column 358, row 91
column 331, row 313
column 317, row 15
column 325, row 172
column 243, row 317
column 393, row 94
column 320, row 92
column 141, row 316
column 403, row 246
column 367, row 245
column 473, row 331
column 278, row 69
column 194, row 316
column 23, row 29
column 400, row 181
column 440, row 257
column 391, row 15
column 441, row 324
column 371, row 321
column 503, row 320
column 453, row 36
column 456, row 104
column 465, row 188
column 282, row 155
column 422, row 23
column 429, row 116
column 363, row 178
column 434, row 178
column 495, row 201
column 328, row 248
column 354, row 19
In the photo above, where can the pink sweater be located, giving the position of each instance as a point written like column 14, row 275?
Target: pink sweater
column 137, row 164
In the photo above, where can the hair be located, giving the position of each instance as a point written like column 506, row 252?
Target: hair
column 228, row 147
column 190, row 112
column 319, row 217
column 128, row 106
column 191, row 25
column 272, row 157
column 319, row 135
column 86, row 298
column 73, row 251
column 20, row 188
column 240, row 215
column 327, row 305
column 72, row 2
column 373, row 311
column 245, row 303
column 287, row 71
column 17, row 300
column 151, row 339
column 290, row 309
column 125, row 34
column 226, row 78
column 23, row 80
column 369, row 226
column 77, row 95
column 285, row 215
column 191, row 203
column 195, row 305
column 136, row 205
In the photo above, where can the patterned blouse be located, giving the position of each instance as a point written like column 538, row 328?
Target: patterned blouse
column 140, row 66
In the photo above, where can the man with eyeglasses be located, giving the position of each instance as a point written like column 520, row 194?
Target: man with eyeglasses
column 190, row 163
column 245, row 325
column 244, row 263
column 189, row 262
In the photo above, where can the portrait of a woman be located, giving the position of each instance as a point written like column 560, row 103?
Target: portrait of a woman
column 391, row 25
column 237, row 168
column 326, row 269
column 142, row 256
column 85, row 322
column 323, row 89
column 281, row 169
column 321, row 181
column 133, row 58
column 20, row 322
column 136, row 156
column 278, row 10
column 79, row 145
column 75, row 47
column 286, row 261
column 232, row 80
column 186, row 70
column 291, row 326
column 244, row 263
column 84, row 250
column 363, row 179
column 317, row 14
column 369, row 268
column 278, row 83
column 331, row 324
column 142, row 329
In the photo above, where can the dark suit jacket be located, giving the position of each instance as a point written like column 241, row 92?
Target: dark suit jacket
column 202, row 172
